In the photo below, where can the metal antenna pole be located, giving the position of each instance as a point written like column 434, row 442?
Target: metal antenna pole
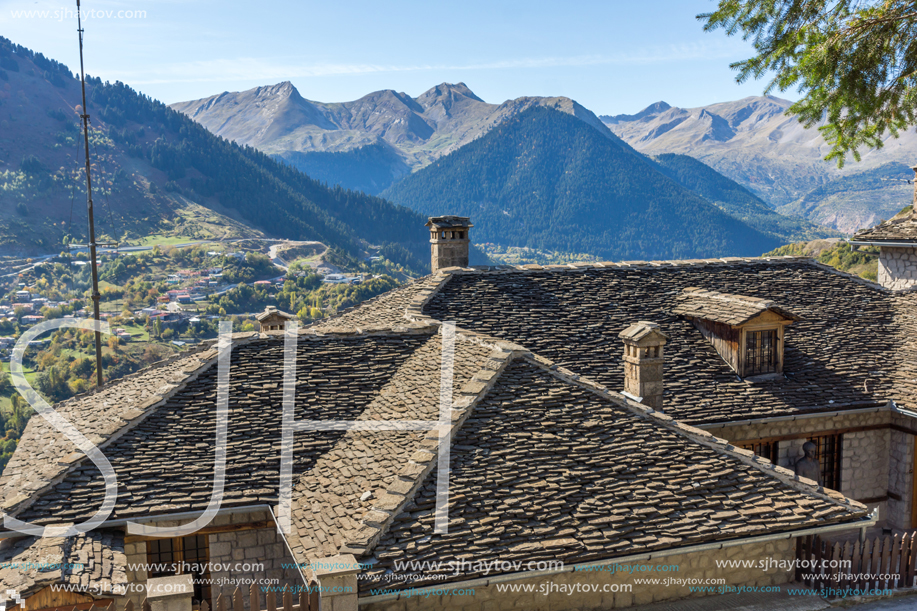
column 96, row 296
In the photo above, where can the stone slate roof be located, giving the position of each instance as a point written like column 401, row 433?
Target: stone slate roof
column 444, row 222
column 272, row 311
column 728, row 309
column 165, row 462
column 903, row 363
column 95, row 559
column 541, row 455
column 901, row 230
column 45, row 453
column 383, row 311
column 588, row 477
column 370, row 462
column 841, row 354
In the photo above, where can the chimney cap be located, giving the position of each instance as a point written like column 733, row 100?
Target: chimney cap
column 272, row 311
column 449, row 221
column 643, row 330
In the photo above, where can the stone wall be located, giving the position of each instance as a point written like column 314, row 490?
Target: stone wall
column 236, row 551
column 864, row 464
column 789, row 451
column 763, row 430
column 136, row 556
column 451, row 253
column 901, row 476
column 897, row 267
column 865, row 455
column 698, row 565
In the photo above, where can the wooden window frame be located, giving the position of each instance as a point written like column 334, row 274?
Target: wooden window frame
column 768, row 449
column 777, row 326
column 202, row 589
column 830, row 465
column 761, row 351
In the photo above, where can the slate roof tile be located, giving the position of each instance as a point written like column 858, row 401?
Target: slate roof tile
column 46, row 454
column 834, row 354
column 729, row 309
column 32, row 563
column 500, row 509
column 898, row 230
column 546, row 462
column 338, row 378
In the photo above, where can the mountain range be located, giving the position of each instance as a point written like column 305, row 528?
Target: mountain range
column 755, row 143
column 370, row 143
column 542, row 172
column 158, row 174
column 546, row 180
column 380, row 137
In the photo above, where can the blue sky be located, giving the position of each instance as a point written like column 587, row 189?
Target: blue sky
column 612, row 56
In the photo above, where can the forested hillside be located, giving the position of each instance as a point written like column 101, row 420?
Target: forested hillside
column 736, row 200
column 546, row 180
column 370, row 169
column 859, row 200
column 158, row 171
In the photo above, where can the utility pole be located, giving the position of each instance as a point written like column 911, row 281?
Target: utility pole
column 96, row 296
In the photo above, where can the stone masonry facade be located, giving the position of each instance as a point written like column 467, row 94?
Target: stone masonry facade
column 898, row 267
column 875, row 463
column 238, row 551
column 243, row 555
column 901, row 475
column 693, row 566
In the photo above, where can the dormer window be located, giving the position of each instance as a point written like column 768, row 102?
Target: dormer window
column 761, row 352
column 747, row 332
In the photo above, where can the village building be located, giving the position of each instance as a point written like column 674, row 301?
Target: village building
column 600, row 413
column 897, row 242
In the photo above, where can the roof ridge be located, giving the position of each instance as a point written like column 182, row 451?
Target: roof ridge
column 410, row 476
column 730, row 297
column 701, row 436
column 780, row 259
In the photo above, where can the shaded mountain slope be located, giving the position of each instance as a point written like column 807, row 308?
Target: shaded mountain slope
column 154, row 167
column 753, row 142
column 546, row 180
column 737, row 201
column 857, row 201
column 279, row 121
column 370, row 168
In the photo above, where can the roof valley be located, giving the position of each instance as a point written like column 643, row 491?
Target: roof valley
column 338, row 478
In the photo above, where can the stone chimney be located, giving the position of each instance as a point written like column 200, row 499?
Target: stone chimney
column 449, row 242
column 272, row 319
column 643, row 360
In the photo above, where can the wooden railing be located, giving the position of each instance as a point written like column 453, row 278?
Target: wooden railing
column 273, row 601
column 288, row 601
column 881, row 563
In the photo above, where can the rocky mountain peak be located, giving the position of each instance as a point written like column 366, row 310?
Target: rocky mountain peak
column 446, row 91
column 650, row 111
